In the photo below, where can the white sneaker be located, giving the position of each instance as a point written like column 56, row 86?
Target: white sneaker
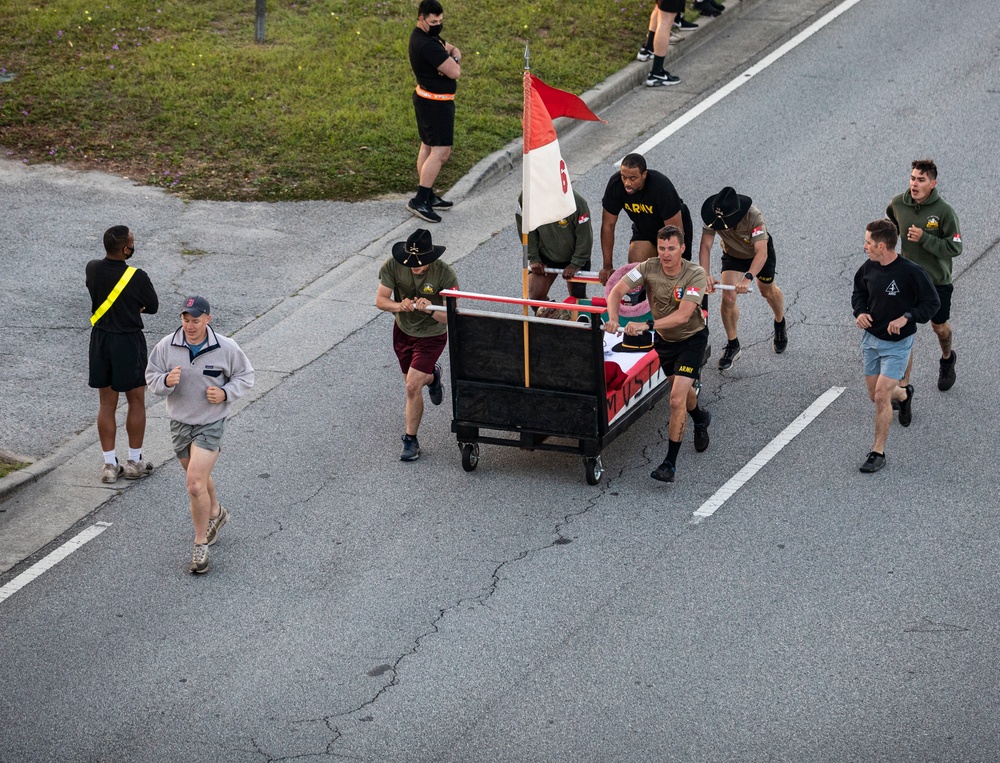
column 135, row 470
column 111, row 472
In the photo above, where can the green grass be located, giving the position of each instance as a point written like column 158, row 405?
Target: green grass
column 177, row 94
column 6, row 467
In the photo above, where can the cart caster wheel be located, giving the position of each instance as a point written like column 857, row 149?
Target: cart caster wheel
column 595, row 470
column 470, row 456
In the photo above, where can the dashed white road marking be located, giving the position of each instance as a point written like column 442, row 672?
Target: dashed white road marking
column 758, row 462
column 51, row 560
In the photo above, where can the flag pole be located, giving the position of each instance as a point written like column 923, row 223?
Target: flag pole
column 525, row 206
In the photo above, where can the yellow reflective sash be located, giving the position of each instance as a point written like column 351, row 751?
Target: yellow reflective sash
column 115, row 292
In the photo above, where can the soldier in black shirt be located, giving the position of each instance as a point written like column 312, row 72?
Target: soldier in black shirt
column 891, row 296
column 118, row 351
column 650, row 201
column 436, row 66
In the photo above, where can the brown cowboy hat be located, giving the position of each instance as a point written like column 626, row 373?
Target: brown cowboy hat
column 418, row 250
column 725, row 209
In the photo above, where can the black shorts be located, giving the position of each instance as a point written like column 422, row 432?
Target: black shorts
column 682, row 358
column 435, row 121
column 944, row 312
column 740, row 265
column 688, row 233
column 670, row 6
column 117, row 360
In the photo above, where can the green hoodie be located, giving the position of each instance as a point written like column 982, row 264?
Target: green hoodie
column 942, row 240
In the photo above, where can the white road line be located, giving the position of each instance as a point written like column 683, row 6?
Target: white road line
column 758, row 462
column 743, row 78
column 50, row 561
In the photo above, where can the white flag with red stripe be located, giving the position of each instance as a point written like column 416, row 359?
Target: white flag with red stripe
column 546, row 188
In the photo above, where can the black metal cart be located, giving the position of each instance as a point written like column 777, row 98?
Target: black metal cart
column 536, row 379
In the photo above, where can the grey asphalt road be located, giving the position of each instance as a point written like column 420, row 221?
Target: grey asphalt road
column 366, row 609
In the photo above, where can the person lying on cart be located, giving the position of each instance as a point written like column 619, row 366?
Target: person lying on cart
column 409, row 282
column 674, row 288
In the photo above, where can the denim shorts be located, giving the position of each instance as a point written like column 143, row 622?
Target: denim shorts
column 885, row 358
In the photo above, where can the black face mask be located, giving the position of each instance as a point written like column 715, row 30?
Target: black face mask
column 129, row 251
column 434, row 31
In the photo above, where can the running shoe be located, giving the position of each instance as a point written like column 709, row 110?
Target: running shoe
column 946, row 375
column 199, row 559
column 411, row 449
column 701, row 438
column 438, row 203
column 645, row 54
column 423, row 211
column 873, row 463
column 135, row 470
column 215, row 524
column 664, row 472
column 111, row 472
column 905, row 414
column 661, row 80
column 436, row 388
column 780, row 337
column 729, row 356
column 683, row 25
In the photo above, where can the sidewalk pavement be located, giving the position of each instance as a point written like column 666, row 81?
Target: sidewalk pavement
column 45, row 499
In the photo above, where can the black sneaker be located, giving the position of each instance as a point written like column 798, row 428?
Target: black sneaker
column 423, row 211
column 873, row 463
column 701, row 438
column 706, row 8
column 664, row 472
column 435, row 388
column 411, row 449
column 780, row 337
column 946, row 375
column 438, row 203
column 661, row 80
column 905, row 414
column 645, row 54
column 729, row 356
column 683, row 25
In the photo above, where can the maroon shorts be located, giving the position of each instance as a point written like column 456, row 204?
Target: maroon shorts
column 419, row 352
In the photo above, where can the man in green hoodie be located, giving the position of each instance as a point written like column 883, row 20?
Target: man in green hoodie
column 930, row 236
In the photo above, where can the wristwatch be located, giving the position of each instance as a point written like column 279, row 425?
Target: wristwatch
column 650, row 324
column 748, row 275
column 908, row 316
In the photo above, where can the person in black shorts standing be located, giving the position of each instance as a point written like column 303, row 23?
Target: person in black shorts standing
column 118, row 349
column 651, row 202
column 665, row 13
column 674, row 287
column 436, row 65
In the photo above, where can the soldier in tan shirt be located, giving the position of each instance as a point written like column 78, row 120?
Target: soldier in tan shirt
column 747, row 253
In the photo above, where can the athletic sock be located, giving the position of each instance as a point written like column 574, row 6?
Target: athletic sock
column 657, row 65
column 733, row 342
column 423, row 195
column 135, row 454
column 109, row 457
column 780, row 323
column 673, row 448
column 649, row 40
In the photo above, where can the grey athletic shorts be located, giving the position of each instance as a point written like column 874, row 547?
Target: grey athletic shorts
column 205, row 436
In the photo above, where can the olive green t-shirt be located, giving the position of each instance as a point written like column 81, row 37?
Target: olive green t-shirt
column 665, row 294
column 405, row 285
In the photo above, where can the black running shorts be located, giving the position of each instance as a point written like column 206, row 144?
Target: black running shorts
column 682, row 358
column 740, row 265
column 944, row 312
column 435, row 121
column 670, row 6
column 117, row 360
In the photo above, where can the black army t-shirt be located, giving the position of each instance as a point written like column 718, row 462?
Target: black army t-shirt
column 647, row 208
column 426, row 55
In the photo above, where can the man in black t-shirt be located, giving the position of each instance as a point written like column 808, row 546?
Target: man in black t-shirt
column 118, row 351
column 650, row 201
column 436, row 65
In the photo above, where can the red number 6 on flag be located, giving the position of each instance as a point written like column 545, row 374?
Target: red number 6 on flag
column 562, row 176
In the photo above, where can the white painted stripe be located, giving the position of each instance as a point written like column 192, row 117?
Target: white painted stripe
column 758, row 462
column 743, row 78
column 50, row 561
